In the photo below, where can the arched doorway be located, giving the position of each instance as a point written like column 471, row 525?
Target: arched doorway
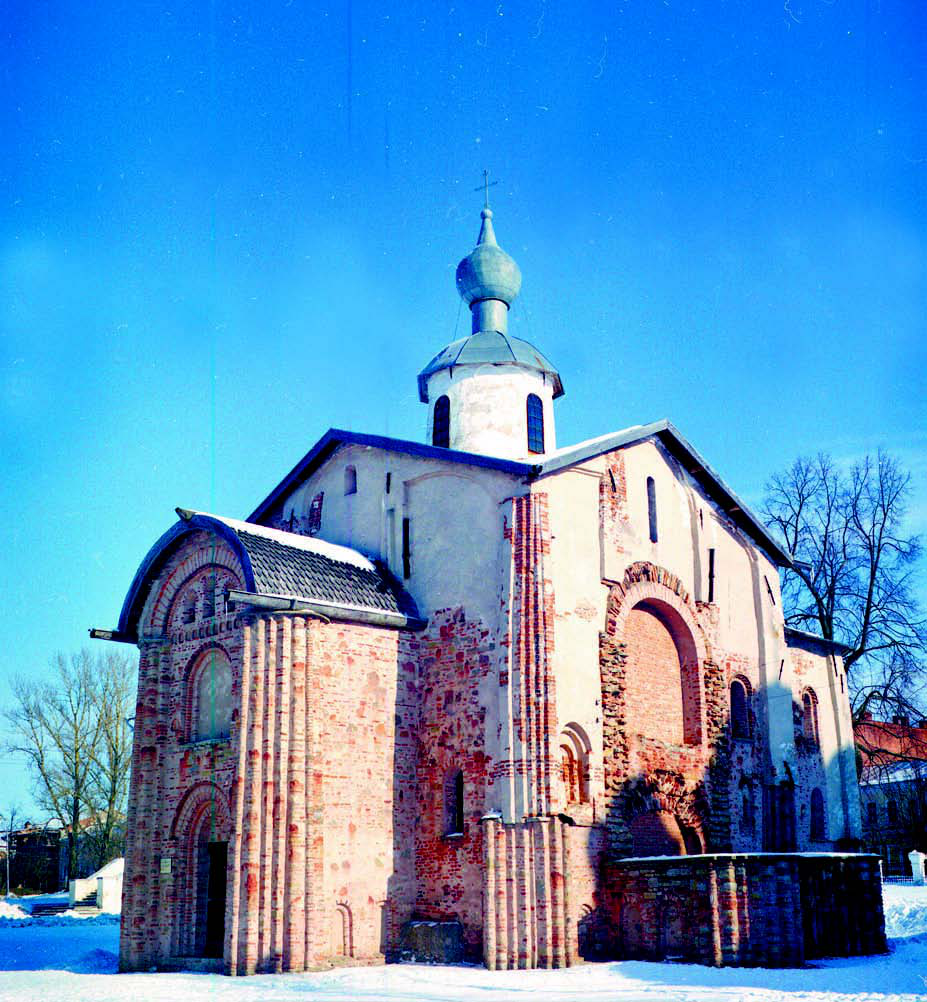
column 202, row 829
column 211, row 856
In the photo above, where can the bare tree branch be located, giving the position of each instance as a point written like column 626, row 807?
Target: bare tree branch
column 73, row 732
column 856, row 581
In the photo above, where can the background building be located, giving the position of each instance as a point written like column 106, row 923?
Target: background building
column 893, row 789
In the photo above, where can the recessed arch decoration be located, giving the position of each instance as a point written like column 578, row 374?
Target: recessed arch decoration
column 650, row 612
column 575, row 748
column 192, row 543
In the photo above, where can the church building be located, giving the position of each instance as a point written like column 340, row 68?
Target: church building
column 486, row 697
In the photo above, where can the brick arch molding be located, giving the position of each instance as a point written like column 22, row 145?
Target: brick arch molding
column 196, row 801
column 646, row 582
column 204, row 553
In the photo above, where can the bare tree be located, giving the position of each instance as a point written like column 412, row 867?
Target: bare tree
column 854, row 580
column 108, row 781
column 57, row 727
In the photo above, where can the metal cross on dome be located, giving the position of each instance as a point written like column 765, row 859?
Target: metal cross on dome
column 484, row 187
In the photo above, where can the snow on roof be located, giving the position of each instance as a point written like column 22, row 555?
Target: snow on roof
column 311, row 544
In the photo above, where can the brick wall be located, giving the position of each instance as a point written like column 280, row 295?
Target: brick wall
column 654, row 679
column 745, row 910
column 455, row 657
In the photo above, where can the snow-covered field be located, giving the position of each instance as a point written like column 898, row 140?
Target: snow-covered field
column 73, row 959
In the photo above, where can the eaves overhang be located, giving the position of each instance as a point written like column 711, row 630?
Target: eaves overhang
column 803, row 637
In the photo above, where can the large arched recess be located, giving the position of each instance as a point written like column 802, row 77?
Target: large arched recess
column 653, row 601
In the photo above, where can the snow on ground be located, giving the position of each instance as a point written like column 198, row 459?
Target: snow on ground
column 68, row 958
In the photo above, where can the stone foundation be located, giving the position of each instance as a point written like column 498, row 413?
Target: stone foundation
column 748, row 910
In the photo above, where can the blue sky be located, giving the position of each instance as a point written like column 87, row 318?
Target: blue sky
column 228, row 228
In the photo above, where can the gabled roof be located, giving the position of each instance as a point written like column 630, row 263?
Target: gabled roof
column 335, row 438
column 281, row 565
column 555, row 462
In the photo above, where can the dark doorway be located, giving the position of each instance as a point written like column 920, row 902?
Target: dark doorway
column 214, row 924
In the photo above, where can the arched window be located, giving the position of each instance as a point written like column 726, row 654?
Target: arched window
column 574, row 764
column 817, row 816
column 441, row 424
column 211, row 704
column 740, row 708
column 454, row 803
column 350, row 480
column 809, row 721
column 535, row 423
column 652, row 508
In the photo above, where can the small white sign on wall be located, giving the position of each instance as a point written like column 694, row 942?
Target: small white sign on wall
column 165, row 864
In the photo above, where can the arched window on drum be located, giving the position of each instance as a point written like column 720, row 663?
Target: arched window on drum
column 535, row 414
column 441, row 423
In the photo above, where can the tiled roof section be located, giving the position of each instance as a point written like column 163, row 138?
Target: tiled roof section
column 299, row 573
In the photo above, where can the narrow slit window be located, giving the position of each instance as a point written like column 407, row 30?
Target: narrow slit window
column 454, row 803
column 350, row 480
column 711, row 575
column 441, row 425
column 652, row 508
column 406, row 548
column 535, row 423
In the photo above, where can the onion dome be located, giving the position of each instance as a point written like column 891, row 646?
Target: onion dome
column 487, row 272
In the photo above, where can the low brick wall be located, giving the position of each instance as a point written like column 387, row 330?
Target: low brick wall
column 740, row 909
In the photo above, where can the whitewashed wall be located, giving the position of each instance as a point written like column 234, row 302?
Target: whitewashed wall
column 488, row 409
